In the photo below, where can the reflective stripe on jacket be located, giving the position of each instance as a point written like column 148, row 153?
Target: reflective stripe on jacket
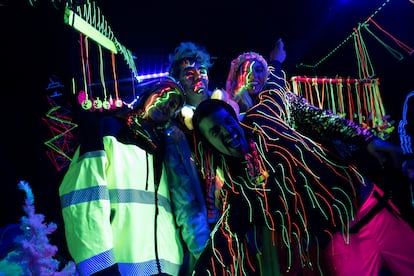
column 111, row 211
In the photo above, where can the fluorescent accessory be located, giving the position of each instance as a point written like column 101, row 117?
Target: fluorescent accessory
column 75, row 21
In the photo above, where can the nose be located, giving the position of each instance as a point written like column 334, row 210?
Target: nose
column 197, row 75
column 224, row 131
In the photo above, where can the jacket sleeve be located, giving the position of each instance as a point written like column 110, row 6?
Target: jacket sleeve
column 86, row 208
column 319, row 124
column 185, row 190
column 324, row 125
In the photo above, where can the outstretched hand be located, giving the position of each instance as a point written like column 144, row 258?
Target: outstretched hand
column 278, row 53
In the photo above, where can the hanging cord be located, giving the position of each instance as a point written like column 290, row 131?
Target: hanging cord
column 118, row 102
column 344, row 41
column 365, row 67
column 392, row 51
column 402, row 45
column 105, row 103
column 156, row 186
column 82, row 51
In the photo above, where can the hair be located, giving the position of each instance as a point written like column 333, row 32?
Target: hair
column 241, row 95
column 206, row 154
column 187, row 50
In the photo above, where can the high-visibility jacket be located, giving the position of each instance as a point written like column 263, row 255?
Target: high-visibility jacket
column 115, row 212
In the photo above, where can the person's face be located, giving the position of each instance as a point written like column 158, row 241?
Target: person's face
column 252, row 76
column 224, row 133
column 194, row 79
column 162, row 105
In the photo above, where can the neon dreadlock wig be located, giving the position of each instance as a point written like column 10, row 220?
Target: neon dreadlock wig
column 287, row 183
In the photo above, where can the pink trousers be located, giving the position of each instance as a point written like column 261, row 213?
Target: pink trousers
column 385, row 241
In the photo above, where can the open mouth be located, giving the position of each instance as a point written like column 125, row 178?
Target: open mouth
column 198, row 88
column 233, row 141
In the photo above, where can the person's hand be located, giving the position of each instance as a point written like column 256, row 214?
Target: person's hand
column 278, row 53
column 385, row 152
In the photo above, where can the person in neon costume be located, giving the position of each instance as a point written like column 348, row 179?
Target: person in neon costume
column 281, row 179
column 190, row 64
column 125, row 211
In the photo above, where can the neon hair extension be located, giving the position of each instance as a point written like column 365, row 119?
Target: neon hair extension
column 294, row 158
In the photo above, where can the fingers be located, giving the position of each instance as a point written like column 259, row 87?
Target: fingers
column 279, row 43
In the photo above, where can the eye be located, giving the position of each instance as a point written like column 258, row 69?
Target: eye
column 215, row 131
column 173, row 104
column 203, row 71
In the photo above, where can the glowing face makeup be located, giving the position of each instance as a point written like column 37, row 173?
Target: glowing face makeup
column 194, row 78
column 162, row 104
column 252, row 76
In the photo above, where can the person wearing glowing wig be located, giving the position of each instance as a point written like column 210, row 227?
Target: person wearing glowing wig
column 189, row 64
column 127, row 204
column 305, row 194
column 252, row 81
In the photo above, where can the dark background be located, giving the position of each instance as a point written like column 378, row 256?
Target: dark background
column 36, row 46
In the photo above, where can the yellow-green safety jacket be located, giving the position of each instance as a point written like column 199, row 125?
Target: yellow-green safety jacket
column 114, row 213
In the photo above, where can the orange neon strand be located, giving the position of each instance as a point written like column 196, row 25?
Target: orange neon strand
column 402, row 45
column 115, row 76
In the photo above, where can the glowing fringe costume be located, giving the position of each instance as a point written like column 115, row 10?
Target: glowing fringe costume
column 295, row 188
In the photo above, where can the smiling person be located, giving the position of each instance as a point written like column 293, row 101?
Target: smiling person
column 190, row 64
column 307, row 196
column 251, row 80
column 250, row 74
column 124, row 211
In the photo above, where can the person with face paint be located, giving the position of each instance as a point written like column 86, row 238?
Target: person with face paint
column 306, row 195
column 190, row 64
column 250, row 73
column 125, row 211
column 251, row 79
